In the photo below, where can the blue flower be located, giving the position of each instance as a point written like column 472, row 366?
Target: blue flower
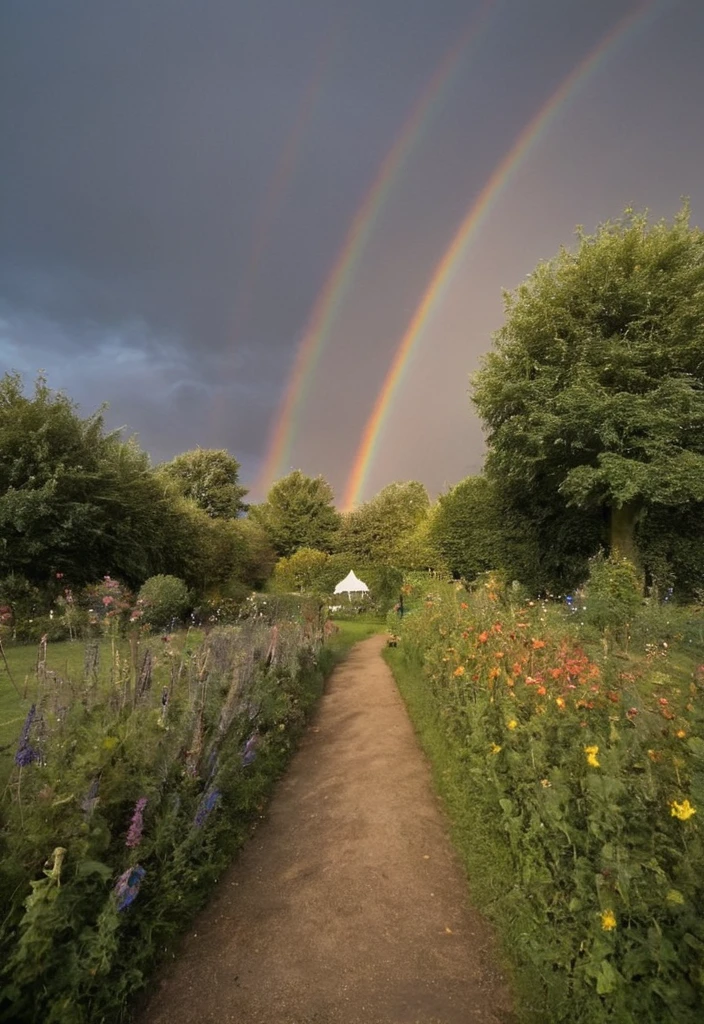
column 26, row 753
column 206, row 805
column 127, row 886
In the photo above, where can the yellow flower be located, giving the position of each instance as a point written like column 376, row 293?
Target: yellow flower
column 459, row 671
column 495, row 748
column 608, row 920
column 674, row 896
column 560, row 701
column 513, row 724
column 682, row 811
column 591, row 753
column 680, row 734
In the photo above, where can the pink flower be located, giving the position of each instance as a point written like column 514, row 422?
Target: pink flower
column 134, row 836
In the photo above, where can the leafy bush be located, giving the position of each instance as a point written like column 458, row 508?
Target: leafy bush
column 614, row 593
column 162, row 599
column 586, row 771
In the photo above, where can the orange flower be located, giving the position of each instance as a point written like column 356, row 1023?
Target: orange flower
column 464, row 606
column 680, row 734
column 516, row 669
column 555, row 672
column 459, row 671
column 494, row 673
column 542, row 691
column 498, row 654
column 483, row 637
column 537, row 644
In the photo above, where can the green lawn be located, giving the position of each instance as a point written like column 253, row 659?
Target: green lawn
column 67, row 660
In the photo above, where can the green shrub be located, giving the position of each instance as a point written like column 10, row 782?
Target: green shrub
column 162, row 599
column 614, row 592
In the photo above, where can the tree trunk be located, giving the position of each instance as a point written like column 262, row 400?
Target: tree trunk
column 622, row 531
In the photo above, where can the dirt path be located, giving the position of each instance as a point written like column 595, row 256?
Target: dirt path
column 348, row 905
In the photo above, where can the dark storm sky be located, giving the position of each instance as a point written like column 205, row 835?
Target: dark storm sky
column 151, row 150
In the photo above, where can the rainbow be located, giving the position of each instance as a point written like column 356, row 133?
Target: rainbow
column 342, row 274
column 477, row 215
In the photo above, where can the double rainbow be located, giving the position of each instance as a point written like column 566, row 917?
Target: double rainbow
column 341, row 276
column 467, row 232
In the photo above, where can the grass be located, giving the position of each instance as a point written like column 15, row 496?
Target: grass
column 481, row 846
column 67, row 658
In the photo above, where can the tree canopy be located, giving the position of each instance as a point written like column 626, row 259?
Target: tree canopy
column 381, row 528
column 299, row 512
column 210, row 478
column 593, row 393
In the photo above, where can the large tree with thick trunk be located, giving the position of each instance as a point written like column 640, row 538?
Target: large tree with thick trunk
column 593, row 395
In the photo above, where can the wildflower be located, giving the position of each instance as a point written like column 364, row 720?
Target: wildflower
column 249, row 753
column 512, row 724
column 134, row 835
column 459, row 671
column 206, row 805
column 483, row 637
column 608, row 920
column 680, row 734
column 591, row 753
column 631, row 713
column 495, row 748
column 541, row 691
column 545, row 783
column 537, row 644
column 560, row 701
column 464, row 606
column 683, row 811
column 655, row 756
column 494, row 673
column 127, row 886
column 26, row 754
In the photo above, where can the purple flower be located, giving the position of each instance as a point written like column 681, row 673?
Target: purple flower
column 134, row 835
column 127, row 886
column 206, row 805
column 26, row 753
column 249, row 753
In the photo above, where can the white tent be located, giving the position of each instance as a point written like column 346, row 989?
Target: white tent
column 351, row 585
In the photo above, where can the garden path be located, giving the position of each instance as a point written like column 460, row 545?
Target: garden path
column 347, row 906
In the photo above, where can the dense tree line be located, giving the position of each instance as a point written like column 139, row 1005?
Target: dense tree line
column 593, row 402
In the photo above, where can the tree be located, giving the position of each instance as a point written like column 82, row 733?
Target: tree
column 75, row 499
column 476, row 531
column 378, row 530
column 304, row 570
column 593, row 394
column 210, row 478
column 299, row 513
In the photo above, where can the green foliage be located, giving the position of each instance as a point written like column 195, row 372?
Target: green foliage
column 576, row 781
column 299, row 513
column 614, row 593
column 476, row 530
column 210, row 478
column 162, row 599
column 304, row 570
column 139, row 787
column 381, row 529
column 593, row 393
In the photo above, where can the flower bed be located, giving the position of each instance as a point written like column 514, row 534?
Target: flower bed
column 589, row 770
column 126, row 802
